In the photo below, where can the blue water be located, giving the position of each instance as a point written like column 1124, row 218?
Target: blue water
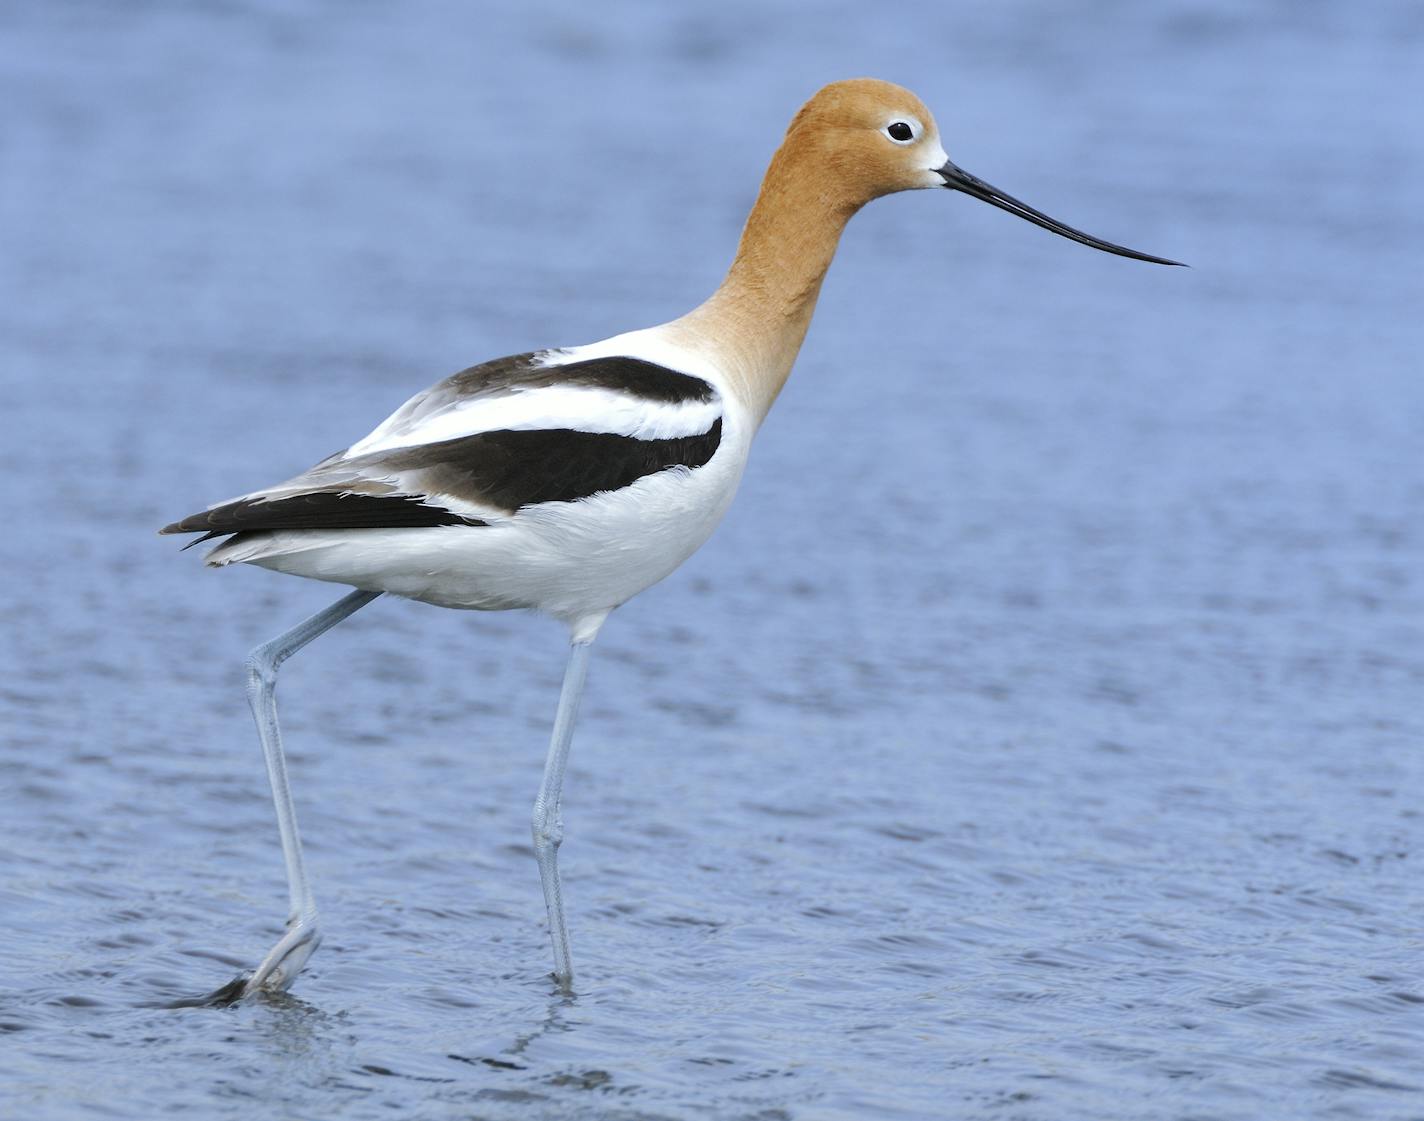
column 1039, row 738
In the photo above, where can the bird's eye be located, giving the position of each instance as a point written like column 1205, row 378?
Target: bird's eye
column 900, row 131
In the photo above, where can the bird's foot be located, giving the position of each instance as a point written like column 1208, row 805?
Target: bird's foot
column 285, row 960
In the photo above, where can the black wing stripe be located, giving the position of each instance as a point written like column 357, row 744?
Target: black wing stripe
column 319, row 510
column 638, row 378
column 510, row 469
column 507, row 470
column 633, row 376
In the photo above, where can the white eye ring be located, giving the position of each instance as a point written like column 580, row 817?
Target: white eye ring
column 902, row 131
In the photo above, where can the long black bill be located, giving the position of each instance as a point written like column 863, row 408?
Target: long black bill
column 957, row 179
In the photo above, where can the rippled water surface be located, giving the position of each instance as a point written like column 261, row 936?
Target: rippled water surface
column 1040, row 737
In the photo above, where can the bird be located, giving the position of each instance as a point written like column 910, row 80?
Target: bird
column 567, row 480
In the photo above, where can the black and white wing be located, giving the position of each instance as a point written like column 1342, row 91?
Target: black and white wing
column 490, row 441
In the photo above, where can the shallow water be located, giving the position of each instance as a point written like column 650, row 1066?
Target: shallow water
column 1038, row 738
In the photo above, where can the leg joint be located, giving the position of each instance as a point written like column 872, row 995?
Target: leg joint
column 262, row 666
column 547, row 827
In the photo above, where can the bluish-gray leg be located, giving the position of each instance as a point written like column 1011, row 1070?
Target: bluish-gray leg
column 548, row 820
column 285, row 960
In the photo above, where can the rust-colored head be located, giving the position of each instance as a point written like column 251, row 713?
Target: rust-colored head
column 863, row 138
column 859, row 139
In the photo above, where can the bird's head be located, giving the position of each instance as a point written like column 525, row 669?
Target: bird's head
column 864, row 138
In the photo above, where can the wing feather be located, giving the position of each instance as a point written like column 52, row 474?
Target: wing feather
column 618, row 395
column 491, row 440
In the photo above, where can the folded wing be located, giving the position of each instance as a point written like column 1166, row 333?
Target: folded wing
column 491, row 440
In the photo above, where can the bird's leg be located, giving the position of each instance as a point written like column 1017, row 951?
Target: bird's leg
column 285, row 960
column 548, row 820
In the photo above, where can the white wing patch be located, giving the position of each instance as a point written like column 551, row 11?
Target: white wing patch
column 581, row 408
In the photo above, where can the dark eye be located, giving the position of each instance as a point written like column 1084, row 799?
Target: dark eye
column 900, row 131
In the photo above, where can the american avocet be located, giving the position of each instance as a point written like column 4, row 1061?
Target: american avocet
column 568, row 480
